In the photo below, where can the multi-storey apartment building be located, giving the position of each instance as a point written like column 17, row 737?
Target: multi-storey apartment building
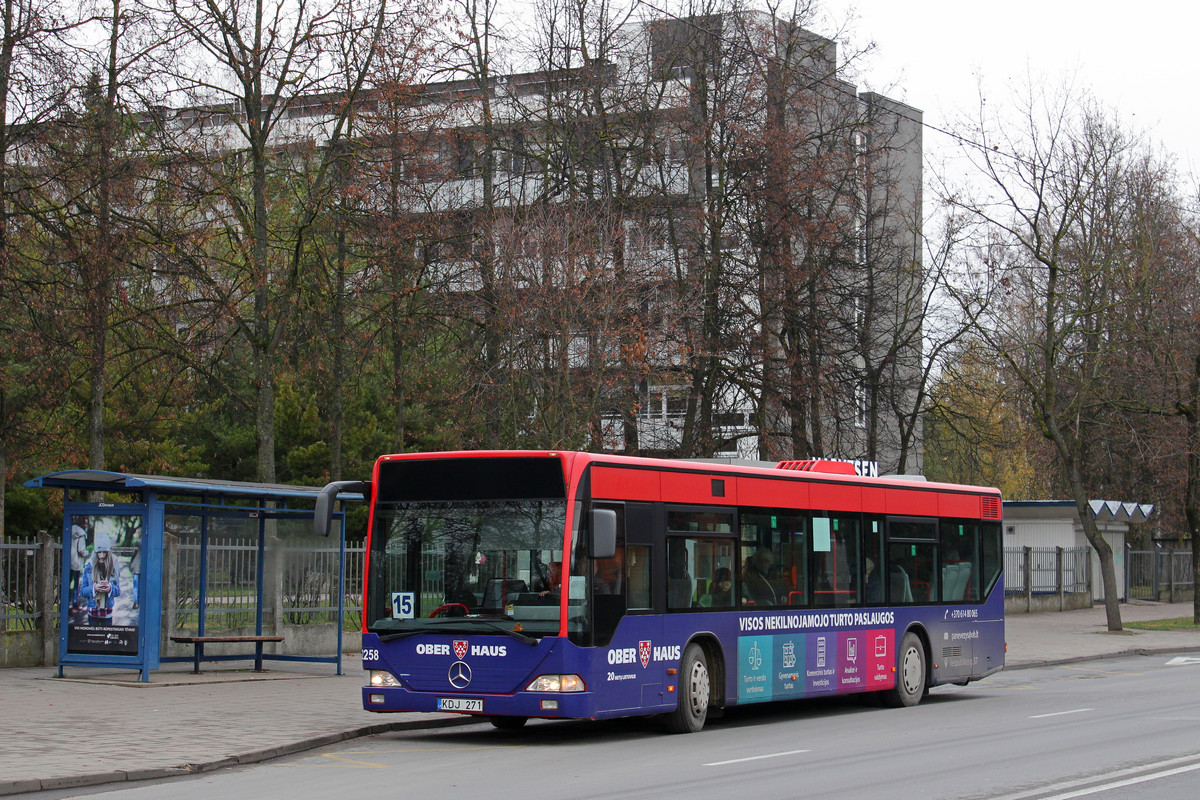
column 694, row 238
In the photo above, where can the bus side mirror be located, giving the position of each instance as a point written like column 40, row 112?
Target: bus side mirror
column 323, row 513
column 604, row 533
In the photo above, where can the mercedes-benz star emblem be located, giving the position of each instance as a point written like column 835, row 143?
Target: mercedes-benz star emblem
column 460, row 675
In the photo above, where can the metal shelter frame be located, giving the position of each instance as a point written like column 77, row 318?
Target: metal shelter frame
column 154, row 497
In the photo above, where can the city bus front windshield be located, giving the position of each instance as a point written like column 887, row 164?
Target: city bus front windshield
column 457, row 566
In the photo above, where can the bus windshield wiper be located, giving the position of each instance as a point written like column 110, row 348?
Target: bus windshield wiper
column 529, row 640
column 391, row 637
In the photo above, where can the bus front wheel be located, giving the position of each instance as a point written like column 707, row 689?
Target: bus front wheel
column 694, row 692
column 911, row 674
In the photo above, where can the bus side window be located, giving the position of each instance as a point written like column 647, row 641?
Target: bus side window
column 874, row 567
column 835, row 562
column 960, row 561
column 911, row 576
column 699, row 573
column 680, row 584
column 913, row 572
column 774, row 549
column 637, row 575
column 991, row 557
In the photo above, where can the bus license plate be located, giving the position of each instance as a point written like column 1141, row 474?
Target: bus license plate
column 460, row 704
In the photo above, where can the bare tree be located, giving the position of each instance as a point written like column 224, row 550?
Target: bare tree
column 1040, row 303
column 379, row 238
column 35, row 78
column 250, row 71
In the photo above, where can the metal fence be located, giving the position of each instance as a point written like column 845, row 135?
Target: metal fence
column 307, row 583
column 310, row 586
column 1047, row 570
column 230, row 585
column 19, row 606
column 1158, row 574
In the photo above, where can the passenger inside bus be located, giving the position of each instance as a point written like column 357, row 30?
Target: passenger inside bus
column 756, row 584
column 873, row 584
column 720, row 592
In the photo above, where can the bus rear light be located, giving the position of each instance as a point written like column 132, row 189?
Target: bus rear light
column 556, row 683
column 381, row 678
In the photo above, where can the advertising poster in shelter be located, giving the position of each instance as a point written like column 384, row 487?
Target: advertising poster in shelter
column 104, row 554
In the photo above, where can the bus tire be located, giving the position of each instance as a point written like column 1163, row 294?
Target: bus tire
column 911, row 674
column 695, row 691
column 508, row 723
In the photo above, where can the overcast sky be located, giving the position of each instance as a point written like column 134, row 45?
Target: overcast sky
column 1137, row 58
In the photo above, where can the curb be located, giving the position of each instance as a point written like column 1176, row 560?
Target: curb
column 1134, row 651
column 252, row 757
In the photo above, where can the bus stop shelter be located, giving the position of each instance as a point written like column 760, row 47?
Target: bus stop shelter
column 111, row 601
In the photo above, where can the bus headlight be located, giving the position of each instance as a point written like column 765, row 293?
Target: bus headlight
column 382, row 678
column 556, row 683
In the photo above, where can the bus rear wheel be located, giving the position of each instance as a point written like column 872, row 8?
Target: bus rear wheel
column 911, row 675
column 695, row 691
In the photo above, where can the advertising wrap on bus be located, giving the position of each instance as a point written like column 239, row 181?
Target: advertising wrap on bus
column 517, row 585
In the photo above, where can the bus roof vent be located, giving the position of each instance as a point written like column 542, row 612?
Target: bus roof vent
column 990, row 507
column 819, row 465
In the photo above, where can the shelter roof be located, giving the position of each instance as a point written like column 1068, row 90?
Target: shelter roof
column 1102, row 510
column 104, row 480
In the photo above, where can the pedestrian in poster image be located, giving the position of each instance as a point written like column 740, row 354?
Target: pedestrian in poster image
column 79, row 556
column 135, row 569
column 100, row 587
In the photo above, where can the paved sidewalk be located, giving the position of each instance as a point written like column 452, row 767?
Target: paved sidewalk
column 100, row 726
column 1036, row 640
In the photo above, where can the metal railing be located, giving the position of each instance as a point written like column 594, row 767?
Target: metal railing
column 1159, row 574
column 1047, row 570
column 20, row 608
column 303, row 576
column 230, row 586
column 310, row 583
column 306, row 583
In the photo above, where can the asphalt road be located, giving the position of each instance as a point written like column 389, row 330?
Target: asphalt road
column 1119, row 728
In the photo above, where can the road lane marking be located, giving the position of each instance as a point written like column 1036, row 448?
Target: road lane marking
column 754, row 758
column 1061, row 713
column 1105, row 787
column 1092, row 671
column 1071, row 785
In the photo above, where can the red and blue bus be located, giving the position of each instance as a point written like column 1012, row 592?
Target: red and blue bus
column 520, row 584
